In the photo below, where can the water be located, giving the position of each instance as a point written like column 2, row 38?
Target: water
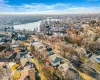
column 31, row 26
column 28, row 26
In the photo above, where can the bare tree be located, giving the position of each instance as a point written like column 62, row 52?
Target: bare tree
column 1, row 73
column 95, row 47
column 32, row 49
column 63, row 50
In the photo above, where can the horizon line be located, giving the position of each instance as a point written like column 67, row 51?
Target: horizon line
column 25, row 13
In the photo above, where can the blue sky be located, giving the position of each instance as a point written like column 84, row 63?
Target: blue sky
column 50, row 6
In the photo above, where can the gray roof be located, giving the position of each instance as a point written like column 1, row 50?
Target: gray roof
column 57, row 59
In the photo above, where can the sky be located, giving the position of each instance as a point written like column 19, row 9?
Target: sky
column 50, row 6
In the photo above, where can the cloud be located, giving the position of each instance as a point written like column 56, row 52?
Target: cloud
column 30, row 7
column 3, row 1
column 0, row 0
column 34, row 8
column 84, row 10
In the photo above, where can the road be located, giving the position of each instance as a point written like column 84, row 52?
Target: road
column 35, row 61
column 24, row 73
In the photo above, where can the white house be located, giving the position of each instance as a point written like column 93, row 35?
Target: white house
column 15, row 44
column 55, row 60
column 63, row 68
column 95, row 58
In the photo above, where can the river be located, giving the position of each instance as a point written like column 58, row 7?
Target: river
column 28, row 26
column 31, row 26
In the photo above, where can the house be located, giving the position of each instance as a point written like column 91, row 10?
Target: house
column 29, row 55
column 15, row 44
column 72, row 74
column 32, row 75
column 78, row 27
column 81, row 51
column 42, row 51
column 49, row 51
column 40, row 47
column 98, row 40
column 6, row 38
column 95, row 58
column 21, row 37
column 46, row 44
column 5, row 54
column 91, row 34
column 0, row 39
column 1, row 43
column 88, row 52
column 24, row 61
column 2, row 34
column 55, row 60
column 63, row 68
column 21, row 54
column 35, row 43
column 8, row 29
column 52, row 57
column 28, row 63
column 13, row 56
